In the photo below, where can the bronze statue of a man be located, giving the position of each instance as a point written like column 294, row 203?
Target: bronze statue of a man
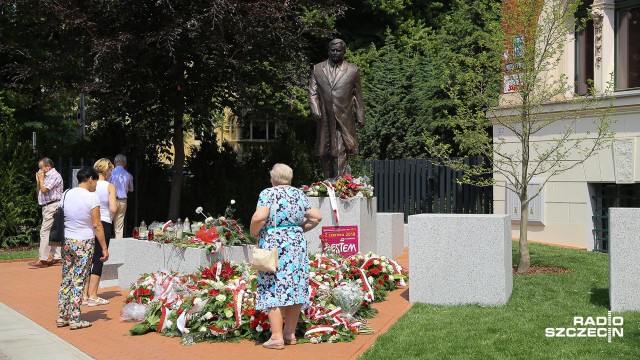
column 335, row 96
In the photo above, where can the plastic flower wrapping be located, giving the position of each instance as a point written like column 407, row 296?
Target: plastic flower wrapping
column 349, row 297
column 218, row 302
column 345, row 187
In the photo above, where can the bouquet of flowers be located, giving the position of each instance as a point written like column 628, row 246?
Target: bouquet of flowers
column 345, row 187
column 218, row 301
column 216, row 233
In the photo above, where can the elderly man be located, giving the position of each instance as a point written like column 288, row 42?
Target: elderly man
column 50, row 186
column 335, row 96
column 123, row 181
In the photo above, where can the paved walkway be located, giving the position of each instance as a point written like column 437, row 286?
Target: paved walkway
column 28, row 309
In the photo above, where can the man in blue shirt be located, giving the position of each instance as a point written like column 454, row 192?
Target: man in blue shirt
column 123, row 181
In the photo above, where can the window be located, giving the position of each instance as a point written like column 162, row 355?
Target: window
column 603, row 197
column 258, row 130
column 627, row 44
column 584, row 55
column 536, row 206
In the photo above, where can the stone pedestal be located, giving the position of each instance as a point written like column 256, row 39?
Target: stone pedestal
column 624, row 259
column 457, row 259
column 390, row 234
column 129, row 258
column 360, row 212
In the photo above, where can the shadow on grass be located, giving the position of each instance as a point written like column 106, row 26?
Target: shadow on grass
column 600, row 297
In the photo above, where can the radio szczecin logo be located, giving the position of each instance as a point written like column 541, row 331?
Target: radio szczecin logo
column 590, row 327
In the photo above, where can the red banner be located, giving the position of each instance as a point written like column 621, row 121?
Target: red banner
column 342, row 239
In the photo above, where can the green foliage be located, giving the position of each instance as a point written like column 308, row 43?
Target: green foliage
column 18, row 206
column 211, row 168
column 408, row 82
column 517, row 330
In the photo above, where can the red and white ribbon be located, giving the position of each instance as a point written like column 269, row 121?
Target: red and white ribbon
column 332, row 200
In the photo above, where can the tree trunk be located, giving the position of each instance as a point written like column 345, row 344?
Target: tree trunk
column 525, row 259
column 178, row 165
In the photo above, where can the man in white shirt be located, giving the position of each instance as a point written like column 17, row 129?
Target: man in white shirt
column 123, row 181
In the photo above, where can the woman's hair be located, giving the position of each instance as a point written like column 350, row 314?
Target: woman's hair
column 281, row 174
column 86, row 173
column 103, row 165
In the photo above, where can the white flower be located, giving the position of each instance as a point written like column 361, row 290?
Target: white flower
column 383, row 258
column 202, row 329
column 199, row 210
column 390, row 268
column 259, row 328
column 314, row 340
column 370, row 279
column 318, row 277
column 376, row 262
column 232, row 202
column 208, row 220
column 221, row 297
column 208, row 315
column 168, row 324
column 221, row 218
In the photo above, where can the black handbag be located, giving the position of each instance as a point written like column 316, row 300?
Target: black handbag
column 56, row 235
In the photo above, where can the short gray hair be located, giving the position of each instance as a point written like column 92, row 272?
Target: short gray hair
column 281, row 174
column 120, row 159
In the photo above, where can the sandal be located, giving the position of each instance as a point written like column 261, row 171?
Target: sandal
column 85, row 301
column 271, row 344
column 62, row 322
column 292, row 341
column 97, row 301
column 79, row 325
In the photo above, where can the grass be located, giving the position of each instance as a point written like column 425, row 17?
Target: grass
column 517, row 330
column 21, row 254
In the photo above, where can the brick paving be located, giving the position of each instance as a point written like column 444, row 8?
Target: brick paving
column 33, row 293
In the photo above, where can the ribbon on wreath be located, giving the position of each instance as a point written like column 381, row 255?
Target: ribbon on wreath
column 319, row 312
column 396, row 267
column 332, row 200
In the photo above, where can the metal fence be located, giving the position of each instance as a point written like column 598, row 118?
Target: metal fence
column 417, row 186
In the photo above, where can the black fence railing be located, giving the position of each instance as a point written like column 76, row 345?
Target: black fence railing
column 417, row 186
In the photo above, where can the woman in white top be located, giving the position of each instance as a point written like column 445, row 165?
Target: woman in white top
column 82, row 226
column 107, row 195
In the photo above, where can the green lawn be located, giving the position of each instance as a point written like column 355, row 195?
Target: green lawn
column 517, row 330
column 23, row 254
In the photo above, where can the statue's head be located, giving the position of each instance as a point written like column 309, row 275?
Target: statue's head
column 337, row 48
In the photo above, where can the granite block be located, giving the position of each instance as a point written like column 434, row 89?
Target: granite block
column 360, row 212
column 624, row 259
column 457, row 259
column 132, row 258
column 390, row 234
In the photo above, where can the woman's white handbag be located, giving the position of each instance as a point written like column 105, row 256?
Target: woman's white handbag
column 267, row 260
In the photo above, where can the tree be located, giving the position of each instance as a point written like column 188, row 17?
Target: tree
column 18, row 208
column 534, row 34
column 159, row 68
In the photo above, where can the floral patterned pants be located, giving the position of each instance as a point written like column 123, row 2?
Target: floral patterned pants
column 76, row 264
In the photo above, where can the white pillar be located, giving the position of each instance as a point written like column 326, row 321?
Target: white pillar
column 604, row 44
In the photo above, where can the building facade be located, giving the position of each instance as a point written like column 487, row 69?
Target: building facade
column 572, row 208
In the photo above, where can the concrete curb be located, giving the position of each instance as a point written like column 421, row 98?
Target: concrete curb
column 21, row 338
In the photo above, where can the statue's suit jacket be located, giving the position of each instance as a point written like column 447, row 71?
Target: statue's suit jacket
column 334, row 104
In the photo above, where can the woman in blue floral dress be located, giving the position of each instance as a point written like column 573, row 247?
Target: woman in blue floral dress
column 282, row 294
